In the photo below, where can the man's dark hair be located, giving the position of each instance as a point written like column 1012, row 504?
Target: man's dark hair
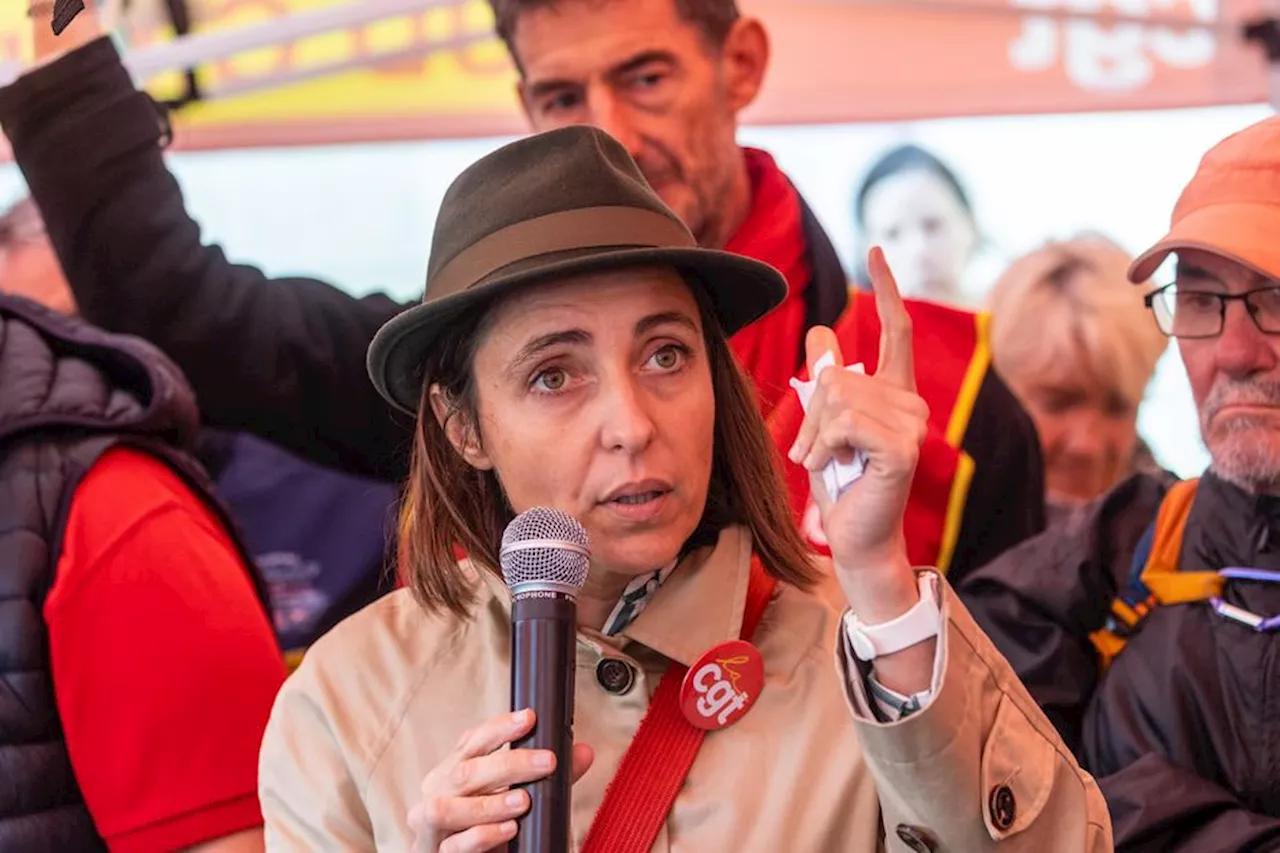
column 714, row 18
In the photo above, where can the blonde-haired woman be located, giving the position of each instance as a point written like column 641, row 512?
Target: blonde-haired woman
column 1074, row 342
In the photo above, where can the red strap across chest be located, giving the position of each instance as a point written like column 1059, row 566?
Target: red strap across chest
column 637, row 800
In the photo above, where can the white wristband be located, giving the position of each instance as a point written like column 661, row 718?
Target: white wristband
column 922, row 621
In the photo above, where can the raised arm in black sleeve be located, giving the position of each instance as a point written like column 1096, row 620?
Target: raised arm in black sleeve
column 283, row 358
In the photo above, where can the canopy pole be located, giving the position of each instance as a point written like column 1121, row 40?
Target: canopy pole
column 195, row 49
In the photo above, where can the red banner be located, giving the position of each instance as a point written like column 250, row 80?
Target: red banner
column 865, row 61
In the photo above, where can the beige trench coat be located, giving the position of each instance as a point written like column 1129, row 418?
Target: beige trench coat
column 381, row 698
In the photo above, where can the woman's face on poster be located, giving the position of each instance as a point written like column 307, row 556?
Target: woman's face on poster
column 927, row 234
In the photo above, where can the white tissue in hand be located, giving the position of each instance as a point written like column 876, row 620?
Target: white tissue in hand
column 837, row 476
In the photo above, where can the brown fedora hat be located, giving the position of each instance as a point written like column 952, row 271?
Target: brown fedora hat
column 545, row 208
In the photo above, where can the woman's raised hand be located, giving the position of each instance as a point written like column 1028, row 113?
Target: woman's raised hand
column 884, row 418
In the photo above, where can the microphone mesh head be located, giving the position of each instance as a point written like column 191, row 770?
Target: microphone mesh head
column 544, row 545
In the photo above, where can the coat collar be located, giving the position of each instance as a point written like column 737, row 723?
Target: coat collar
column 701, row 604
column 1231, row 527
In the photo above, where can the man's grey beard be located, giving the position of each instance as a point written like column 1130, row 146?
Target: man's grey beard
column 1251, row 465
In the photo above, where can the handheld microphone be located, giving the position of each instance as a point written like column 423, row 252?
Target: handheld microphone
column 544, row 560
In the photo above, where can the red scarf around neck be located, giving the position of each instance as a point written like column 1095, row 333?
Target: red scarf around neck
column 769, row 350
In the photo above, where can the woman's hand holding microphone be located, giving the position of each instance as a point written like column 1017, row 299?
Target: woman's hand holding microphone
column 468, row 803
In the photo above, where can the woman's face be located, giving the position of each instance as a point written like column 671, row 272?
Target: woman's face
column 595, row 398
column 926, row 233
column 1088, row 432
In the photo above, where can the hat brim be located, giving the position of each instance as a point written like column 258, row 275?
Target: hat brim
column 1248, row 234
column 742, row 290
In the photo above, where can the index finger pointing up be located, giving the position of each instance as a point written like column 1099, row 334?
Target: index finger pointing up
column 897, row 357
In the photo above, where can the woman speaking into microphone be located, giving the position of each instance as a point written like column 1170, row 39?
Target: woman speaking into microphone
column 733, row 692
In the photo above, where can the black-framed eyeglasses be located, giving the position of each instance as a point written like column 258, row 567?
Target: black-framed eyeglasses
column 1182, row 312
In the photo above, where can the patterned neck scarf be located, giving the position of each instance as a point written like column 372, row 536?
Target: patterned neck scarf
column 635, row 598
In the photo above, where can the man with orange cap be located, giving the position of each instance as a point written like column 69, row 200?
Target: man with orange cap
column 1172, row 589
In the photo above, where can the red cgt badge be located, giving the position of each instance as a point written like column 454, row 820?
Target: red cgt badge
column 722, row 685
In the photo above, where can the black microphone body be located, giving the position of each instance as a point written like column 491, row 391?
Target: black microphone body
column 545, row 560
column 543, row 658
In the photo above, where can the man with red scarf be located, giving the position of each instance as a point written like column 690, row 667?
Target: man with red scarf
column 667, row 78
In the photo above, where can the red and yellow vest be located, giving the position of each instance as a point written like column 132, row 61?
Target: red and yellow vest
column 952, row 359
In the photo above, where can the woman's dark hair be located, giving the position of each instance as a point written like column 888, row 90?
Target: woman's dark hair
column 906, row 158
column 449, row 505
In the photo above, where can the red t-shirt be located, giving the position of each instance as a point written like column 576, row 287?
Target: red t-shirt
column 164, row 664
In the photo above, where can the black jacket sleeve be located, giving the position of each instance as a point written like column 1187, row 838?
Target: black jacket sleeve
column 1040, row 601
column 1005, row 505
column 283, row 358
column 1179, row 735
column 1024, row 603
column 1156, row 805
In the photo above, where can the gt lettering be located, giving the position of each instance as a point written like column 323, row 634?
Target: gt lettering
column 718, row 696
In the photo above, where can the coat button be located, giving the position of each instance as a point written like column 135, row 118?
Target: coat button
column 1003, row 807
column 916, row 838
column 615, row 676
